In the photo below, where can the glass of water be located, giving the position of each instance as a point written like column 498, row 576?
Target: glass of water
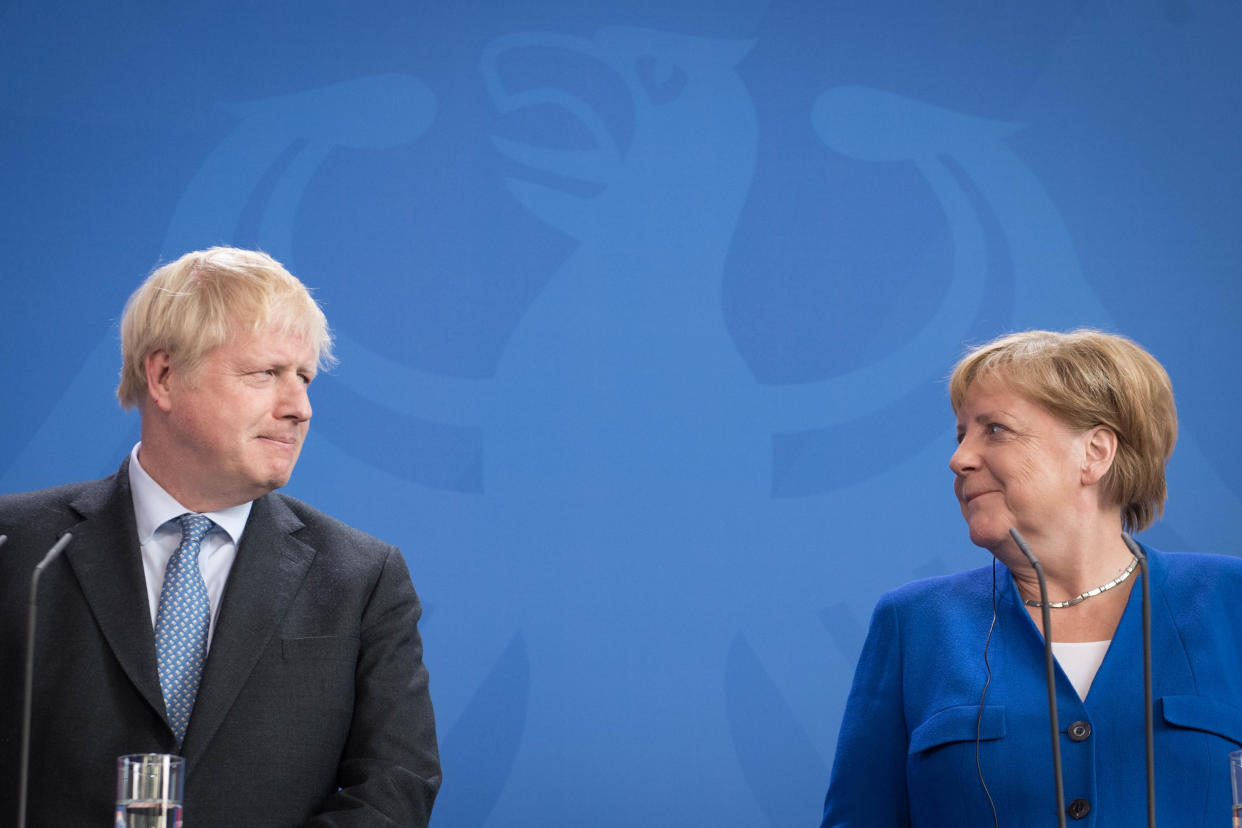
column 1235, row 773
column 149, row 788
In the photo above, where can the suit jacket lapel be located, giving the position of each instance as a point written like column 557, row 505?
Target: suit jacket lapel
column 267, row 572
column 107, row 562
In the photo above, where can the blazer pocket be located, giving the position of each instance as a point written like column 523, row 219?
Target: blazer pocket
column 321, row 647
column 958, row 724
column 1200, row 713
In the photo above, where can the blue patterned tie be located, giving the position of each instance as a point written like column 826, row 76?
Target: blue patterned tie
column 181, row 624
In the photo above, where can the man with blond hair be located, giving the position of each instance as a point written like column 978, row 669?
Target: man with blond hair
column 198, row 612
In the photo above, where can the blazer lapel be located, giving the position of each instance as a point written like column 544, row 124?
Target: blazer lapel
column 267, row 573
column 107, row 562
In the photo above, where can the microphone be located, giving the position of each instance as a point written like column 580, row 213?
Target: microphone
column 1147, row 706
column 30, row 644
column 1050, row 670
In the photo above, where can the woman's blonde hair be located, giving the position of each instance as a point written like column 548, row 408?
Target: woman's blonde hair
column 1088, row 378
column 197, row 303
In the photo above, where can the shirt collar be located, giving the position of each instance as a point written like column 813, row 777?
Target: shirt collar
column 153, row 507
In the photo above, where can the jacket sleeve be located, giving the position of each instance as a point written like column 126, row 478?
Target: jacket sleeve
column 389, row 772
column 867, row 788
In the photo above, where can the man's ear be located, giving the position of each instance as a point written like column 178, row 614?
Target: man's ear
column 1099, row 451
column 159, row 368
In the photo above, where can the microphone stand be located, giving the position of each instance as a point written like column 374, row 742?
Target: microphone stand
column 30, row 645
column 1147, row 694
column 1050, row 671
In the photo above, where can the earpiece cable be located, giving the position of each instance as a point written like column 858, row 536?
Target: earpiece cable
column 983, row 696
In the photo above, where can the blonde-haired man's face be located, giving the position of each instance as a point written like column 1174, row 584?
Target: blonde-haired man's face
column 231, row 430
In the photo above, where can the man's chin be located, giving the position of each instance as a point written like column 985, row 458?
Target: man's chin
column 271, row 481
column 278, row 482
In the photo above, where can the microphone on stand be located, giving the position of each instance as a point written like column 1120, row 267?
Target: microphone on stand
column 1050, row 670
column 30, row 645
column 1147, row 705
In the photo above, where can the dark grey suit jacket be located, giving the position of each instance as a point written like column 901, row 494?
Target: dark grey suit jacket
column 313, row 707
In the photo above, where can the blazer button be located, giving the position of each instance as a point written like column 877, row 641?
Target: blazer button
column 1079, row 731
column 1078, row 809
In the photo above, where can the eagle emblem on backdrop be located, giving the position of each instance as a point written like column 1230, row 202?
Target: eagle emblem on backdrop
column 638, row 324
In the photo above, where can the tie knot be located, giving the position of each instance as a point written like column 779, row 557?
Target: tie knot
column 194, row 527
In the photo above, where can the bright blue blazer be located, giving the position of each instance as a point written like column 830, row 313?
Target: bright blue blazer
column 906, row 753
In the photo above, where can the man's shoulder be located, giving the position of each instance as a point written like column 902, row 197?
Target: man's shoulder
column 319, row 525
column 42, row 503
column 342, row 553
column 32, row 521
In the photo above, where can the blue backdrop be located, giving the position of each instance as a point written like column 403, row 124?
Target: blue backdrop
column 644, row 311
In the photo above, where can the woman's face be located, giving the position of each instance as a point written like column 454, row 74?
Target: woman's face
column 1016, row 465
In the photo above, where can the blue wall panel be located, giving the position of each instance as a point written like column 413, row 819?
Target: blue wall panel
column 644, row 312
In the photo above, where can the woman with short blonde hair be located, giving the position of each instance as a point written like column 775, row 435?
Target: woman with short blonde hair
column 1063, row 437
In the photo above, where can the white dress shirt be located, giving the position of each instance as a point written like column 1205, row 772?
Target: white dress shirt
column 154, row 508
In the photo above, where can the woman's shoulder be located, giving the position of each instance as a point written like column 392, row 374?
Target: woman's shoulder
column 944, row 592
column 1201, row 566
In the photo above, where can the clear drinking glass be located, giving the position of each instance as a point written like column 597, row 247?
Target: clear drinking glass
column 1235, row 773
column 149, row 788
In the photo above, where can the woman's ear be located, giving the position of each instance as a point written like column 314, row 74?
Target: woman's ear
column 1099, row 451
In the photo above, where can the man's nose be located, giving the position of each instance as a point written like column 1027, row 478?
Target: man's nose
column 295, row 400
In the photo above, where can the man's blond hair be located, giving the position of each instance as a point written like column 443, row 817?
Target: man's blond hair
column 202, row 300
